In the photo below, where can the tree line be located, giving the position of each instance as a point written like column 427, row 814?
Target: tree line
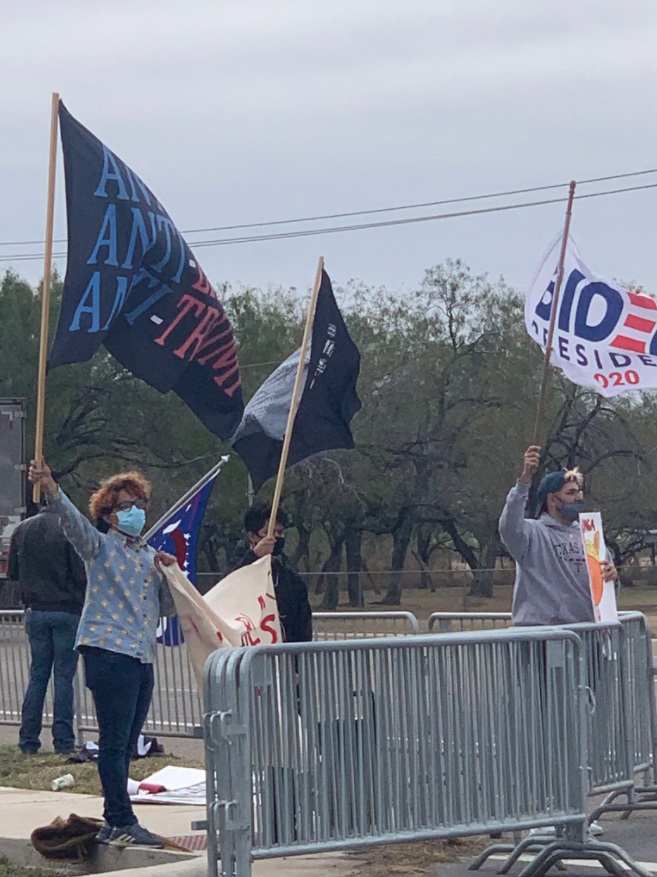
column 449, row 380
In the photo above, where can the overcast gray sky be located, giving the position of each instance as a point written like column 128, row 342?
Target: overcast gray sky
column 244, row 111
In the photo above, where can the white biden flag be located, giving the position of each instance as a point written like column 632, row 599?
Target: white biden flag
column 604, row 335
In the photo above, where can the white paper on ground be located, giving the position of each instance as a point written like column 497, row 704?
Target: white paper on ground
column 184, row 785
column 195, row 796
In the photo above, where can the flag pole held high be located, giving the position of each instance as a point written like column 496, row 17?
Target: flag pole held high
column 45, row 292
column 282, row 424
column 553, row 315
column 294, row 405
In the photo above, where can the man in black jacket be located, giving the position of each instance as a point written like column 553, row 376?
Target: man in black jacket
column 290, row 589
column 52, row 583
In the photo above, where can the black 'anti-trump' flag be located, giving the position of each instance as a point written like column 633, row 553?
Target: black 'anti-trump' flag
column 328, row 402
column 132, row 283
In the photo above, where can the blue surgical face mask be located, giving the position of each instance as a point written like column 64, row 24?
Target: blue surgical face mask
column 572, row 510
column 131, row 521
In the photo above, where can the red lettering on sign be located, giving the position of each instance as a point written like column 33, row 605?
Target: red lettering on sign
column 265, row 625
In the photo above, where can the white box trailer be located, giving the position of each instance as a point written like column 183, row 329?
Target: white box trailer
column 12, row 472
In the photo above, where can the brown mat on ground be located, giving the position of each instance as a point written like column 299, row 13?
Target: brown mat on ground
column 74, row 839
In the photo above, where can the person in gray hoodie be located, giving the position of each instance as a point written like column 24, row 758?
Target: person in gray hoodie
column 552, row 583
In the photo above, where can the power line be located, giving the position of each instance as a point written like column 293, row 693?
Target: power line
column 310, row 232
column 369, row 212
column 410, row 220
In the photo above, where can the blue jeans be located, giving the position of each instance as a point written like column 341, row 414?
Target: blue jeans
column 122, row 688
column 52, row 639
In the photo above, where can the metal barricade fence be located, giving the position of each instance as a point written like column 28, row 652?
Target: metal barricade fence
column 620, row 673
column 324, row 746
column 614, row 742
column 640, row 676
column 14, row 668
column 360, row 625
column 447, row 622
column 609, row 732
column 175, row 709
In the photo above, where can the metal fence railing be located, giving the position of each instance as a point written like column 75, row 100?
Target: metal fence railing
column 14, row 669
column 638, row 678
column 361, row 625
column 175, row 709
column 329, row 746
column 620, row 725
column 447, row 622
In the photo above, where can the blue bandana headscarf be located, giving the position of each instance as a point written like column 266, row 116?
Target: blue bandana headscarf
column 549, row 484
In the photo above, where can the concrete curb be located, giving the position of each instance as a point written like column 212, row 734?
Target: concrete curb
column 105, row 859
column 196, row 866
column 319, row 865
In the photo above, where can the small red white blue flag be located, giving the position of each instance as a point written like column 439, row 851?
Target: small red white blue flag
column 178, row 534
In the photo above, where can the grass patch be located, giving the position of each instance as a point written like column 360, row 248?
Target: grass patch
column 38, row 771
column 8, row 869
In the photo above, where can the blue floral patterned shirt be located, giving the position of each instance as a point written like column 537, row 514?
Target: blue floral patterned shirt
column 126, row 594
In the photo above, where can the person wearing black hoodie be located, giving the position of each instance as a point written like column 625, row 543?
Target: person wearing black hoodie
column 52, row 582
column 290, row 589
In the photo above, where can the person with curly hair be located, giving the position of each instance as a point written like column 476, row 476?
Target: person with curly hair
column 126, row 594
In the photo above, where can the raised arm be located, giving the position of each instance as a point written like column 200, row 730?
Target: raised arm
column 81, row 533
column 514, row 528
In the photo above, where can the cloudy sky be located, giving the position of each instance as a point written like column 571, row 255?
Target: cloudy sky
column 249, row 111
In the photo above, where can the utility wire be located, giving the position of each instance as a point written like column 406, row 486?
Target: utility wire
column 418, row 206
column 371, row 225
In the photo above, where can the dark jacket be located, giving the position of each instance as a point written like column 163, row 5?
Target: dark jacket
column 291, row 599
column 47, row 567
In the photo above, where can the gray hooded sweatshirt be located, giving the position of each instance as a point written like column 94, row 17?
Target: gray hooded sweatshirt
column 552, row 583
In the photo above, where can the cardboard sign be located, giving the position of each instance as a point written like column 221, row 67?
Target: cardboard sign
column 603, row 594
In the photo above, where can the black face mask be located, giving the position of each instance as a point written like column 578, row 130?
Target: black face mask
column 572, row 510
column 279, row 546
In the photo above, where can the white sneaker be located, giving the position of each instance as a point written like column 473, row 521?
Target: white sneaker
column 545, row 831
column 595, row 829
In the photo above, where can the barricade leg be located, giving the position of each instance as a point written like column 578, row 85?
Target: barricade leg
column 607, row 854
column 555, row 859
column 213, row 814
column 492, row 850
column 529, row 844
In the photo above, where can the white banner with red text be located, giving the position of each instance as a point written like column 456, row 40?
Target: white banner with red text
column 240, row 610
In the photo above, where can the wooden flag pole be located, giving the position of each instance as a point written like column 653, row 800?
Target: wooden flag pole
column 45, row 292
column 296, row 393
column 553, row 315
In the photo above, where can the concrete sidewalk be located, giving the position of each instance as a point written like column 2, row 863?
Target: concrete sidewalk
column 23, row 810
